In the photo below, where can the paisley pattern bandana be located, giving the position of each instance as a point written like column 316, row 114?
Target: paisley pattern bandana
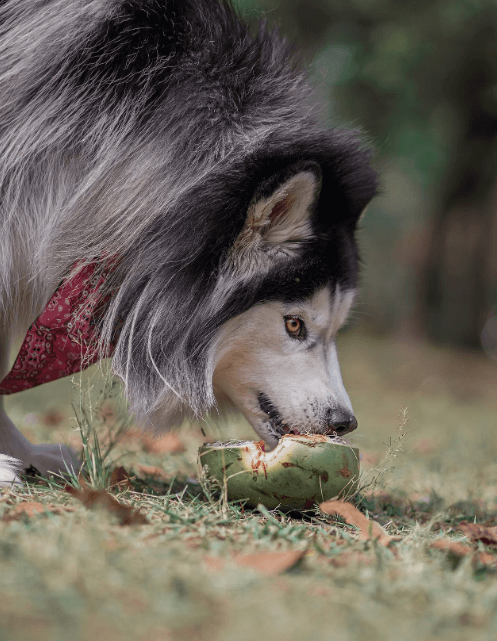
column 63, row 339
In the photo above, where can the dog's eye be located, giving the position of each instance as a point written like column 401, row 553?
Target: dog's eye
column 295, row 327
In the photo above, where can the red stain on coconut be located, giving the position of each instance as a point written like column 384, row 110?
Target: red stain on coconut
column 260, row 445
column 345, row 472
column 287, row 464
column 258, row 461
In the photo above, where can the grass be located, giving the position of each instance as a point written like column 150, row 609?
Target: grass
column 68, row 572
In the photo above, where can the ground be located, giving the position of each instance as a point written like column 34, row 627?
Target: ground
column 189, row 565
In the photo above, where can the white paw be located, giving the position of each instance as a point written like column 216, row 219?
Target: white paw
column 9, row 468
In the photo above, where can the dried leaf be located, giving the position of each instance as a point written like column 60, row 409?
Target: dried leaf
column 370, row 458
column 126, row 514
column 369, row 529
column 153, row 471
column 25, row 510
column 350, row 557
column 167, row 444
column 32, row 508
column 460, row 550
column 425, row 446
column 485, row 558
column 454, row 547
column 120, row 478
column 475, row 532
column 214, row 563
column 52, row 418
column 268, row 563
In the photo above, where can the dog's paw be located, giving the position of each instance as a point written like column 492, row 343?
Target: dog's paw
column 9, row 469
column 53, row 459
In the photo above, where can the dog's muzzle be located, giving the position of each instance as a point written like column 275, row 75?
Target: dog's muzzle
column 338, row 421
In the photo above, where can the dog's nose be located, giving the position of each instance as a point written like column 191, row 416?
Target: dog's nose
column 340, row 421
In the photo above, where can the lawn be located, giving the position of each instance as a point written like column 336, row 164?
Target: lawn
column 189, row 565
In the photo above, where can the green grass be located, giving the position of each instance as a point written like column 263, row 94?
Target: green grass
column 75, row 573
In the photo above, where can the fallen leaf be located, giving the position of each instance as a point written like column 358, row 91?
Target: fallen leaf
column 52, row 418
column 475, row 532
column 485, row 558
column 268, row 563
column 345, row 558
column 32, row 508
column 454, row 547
column 425, row 446
column 214, row 563
column 368, row 528
column 167, row 444
column 120, row 478
column 370, row 458
column 460, row 550
column 24, row 510
column 126, row 514
column 151, row 470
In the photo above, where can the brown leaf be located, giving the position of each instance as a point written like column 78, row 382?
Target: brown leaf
column 460, row 550
column 52, row 418
column 350, row 557
column 32, row 508
column 454, row 547
column 120, row 478
column 166, row 444
column 152, row 470
column 268, row 563
column 369, row 529
column 425, row 446
column 370, row 458
column 126, row 514
column 214, row 563
column 25, row 510
column 485, row 558
column 475, row 532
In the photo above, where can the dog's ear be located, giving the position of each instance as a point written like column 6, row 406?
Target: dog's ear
column 278, row 217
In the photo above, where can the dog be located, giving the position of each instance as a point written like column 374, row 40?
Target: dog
column 179, row 156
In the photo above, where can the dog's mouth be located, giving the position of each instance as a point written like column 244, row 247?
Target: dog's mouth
column 278, row 427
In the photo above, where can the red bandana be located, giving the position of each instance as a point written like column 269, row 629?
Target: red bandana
column 62, row 340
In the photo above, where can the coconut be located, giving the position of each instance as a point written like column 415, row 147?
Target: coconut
column 299, row 472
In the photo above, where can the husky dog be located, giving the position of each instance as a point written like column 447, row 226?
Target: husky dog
column 169, row 136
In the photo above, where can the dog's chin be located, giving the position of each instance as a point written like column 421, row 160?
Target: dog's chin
column 269, row 425
column 267, row 434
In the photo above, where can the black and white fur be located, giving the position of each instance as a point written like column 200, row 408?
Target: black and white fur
column 166, row 134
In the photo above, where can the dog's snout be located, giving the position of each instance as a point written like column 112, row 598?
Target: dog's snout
column 340, row 421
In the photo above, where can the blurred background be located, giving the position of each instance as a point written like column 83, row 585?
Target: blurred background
column 420, row 78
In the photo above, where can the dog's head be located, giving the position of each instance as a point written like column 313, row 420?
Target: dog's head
column 277, row 361
column 235, row 295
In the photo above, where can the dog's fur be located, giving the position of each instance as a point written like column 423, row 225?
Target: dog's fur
column 165, row 133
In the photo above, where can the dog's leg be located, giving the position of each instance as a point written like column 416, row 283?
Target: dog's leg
column 45, row 458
